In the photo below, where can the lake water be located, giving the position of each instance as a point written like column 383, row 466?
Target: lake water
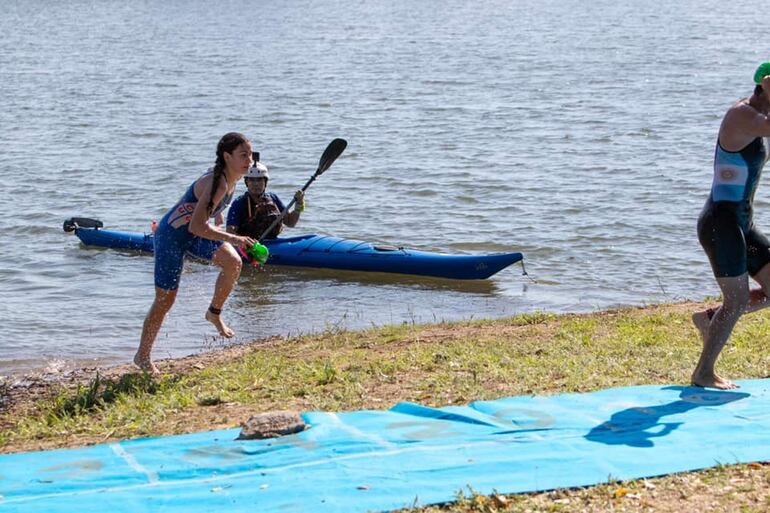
column 580, row 133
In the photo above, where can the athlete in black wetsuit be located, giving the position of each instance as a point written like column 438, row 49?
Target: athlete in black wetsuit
column 735, row 247
column 725, row 228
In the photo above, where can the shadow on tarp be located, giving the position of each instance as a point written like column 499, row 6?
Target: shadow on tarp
column 638, row 425
column 410, row 454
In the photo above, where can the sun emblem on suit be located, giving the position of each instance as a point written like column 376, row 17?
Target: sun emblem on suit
column 727, row 174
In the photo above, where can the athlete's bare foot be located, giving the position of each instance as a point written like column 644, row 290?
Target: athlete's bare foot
column 219, row 324
column 701, row 320
column 713, row 381
column 146, row 365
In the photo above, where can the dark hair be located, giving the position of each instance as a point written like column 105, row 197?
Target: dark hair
column 757, row 89
column 226, row 144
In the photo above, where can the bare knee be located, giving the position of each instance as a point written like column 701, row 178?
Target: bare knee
column 234, row 264
column 164, row 300
column 228, row 260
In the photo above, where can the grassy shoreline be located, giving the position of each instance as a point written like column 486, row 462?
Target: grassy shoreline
column 436, row 365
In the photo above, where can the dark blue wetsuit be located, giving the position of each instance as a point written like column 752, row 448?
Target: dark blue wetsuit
column 173, row 239
column 725, row 227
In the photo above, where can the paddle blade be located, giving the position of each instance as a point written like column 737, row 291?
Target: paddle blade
column 330, row 154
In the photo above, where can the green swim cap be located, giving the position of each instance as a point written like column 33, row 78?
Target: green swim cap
column 762, row 71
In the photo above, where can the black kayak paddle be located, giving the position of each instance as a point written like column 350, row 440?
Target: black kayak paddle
column 330, row 154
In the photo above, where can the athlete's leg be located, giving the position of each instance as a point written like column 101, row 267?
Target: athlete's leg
column 758, row 263
column 169, row 259
column 735, row 294
column 228, row 259
column 164, row 300
column 758, row 299
column 701, row 319
column 727, row 249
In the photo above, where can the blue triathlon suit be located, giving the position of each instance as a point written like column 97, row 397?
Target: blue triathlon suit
column 726, row 228
column 238, row 214
column 173, row 239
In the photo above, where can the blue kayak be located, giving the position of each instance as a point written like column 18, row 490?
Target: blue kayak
column 335, row 253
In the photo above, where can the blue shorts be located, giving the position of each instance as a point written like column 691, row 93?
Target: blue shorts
column 171, row 246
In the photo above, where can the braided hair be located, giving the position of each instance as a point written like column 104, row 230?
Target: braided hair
column 227, row 144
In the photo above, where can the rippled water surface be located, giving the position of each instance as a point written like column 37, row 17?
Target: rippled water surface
column 580, row 133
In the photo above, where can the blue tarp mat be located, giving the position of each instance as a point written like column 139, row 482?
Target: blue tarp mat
column 411, row 454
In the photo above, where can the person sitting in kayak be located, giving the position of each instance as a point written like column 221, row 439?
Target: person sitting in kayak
column 256, row 210
column 185, row 229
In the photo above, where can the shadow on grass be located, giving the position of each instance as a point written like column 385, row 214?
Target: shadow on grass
column 101, row 392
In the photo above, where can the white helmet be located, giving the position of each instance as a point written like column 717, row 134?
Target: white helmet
column 258, row 170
